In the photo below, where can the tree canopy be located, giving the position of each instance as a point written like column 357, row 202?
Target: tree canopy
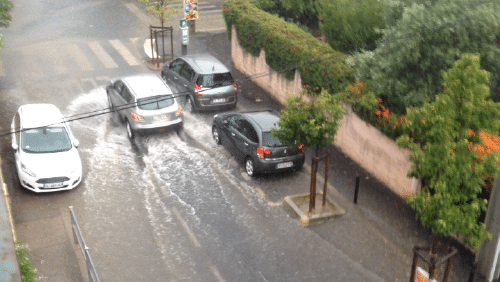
column 441, row 136
column 5, row 17
column 312, row 123
column 406, row 67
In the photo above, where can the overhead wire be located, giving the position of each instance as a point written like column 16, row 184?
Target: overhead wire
column 258, row 75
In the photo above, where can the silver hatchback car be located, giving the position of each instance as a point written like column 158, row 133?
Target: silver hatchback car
column 205, row 82
column 144, row 102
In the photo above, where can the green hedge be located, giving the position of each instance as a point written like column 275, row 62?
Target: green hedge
column 287, row 45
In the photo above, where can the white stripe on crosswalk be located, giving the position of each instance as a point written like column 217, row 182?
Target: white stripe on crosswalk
column 79, row 56
column 124, row 52
column 102, row 55
column 138, row 12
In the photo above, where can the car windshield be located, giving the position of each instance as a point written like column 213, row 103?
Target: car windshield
column 215, row 80
column 45, row 140
column 156, row 102
column 269, row 140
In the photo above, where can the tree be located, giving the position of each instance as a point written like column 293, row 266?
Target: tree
column 161, row 9
column 312, row 123
column 444, row 134
column 349, row 25
column 406, row 67
column 5, row 17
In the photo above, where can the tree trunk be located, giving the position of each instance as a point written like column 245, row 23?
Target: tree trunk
column 435, row 244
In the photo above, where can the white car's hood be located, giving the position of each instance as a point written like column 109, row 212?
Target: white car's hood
column 52, row 164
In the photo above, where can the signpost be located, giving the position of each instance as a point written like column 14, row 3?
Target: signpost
column 191, row 14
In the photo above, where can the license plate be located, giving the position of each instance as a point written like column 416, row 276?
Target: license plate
column 53, row 185
column 285, row 165
column 220, row 100
column 162, row 117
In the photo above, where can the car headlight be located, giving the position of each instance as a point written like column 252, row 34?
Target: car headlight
column 27, row 170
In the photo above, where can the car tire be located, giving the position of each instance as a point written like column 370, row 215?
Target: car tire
column 250, row 167
column 190, row 105
column 299, row 167
column 130, row 131
column 216, row 135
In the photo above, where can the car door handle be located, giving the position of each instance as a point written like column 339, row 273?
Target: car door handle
column 175, row 77
column 233, row 134
column 246, row 144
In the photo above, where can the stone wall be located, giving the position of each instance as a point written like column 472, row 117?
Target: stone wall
column 358, row 139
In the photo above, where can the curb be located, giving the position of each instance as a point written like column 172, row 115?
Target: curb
column 9, row 264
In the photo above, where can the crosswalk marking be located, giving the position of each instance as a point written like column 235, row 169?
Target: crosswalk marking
column 102, row 55
column 124, row 52
column 80, row 58
column 136, row 11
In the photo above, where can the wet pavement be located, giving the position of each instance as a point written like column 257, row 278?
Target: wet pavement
column 177, row 207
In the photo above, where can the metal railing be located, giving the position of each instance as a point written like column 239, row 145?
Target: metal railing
column 78, row 237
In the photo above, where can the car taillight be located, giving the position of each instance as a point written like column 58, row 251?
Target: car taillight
column 301, row 148
column 261, row 152
column 235, row 89
column 196, row 87
column 179, row 111
column 137, row 117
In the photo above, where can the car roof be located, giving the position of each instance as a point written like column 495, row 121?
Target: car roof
column 264, row 119
column 147, row 85
column 205, row 64
column 38, row 115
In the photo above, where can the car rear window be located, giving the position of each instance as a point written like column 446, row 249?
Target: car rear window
column 45, row 140
column 156, row 102
column 269, row 140
column 215, row 80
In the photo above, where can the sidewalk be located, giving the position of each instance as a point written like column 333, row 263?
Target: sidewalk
column 379, row 231
column 9, row 266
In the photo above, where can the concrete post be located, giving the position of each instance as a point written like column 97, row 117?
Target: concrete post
column 487, row 257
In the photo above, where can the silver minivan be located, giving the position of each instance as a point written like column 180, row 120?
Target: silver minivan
column 144, row 102
column 205, row 82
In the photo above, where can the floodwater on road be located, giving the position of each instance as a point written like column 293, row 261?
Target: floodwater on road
column 174, row 206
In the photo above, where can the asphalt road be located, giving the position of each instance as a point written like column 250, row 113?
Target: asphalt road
column 164, row 207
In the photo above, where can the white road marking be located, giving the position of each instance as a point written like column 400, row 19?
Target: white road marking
column 186, row 227
column 105, row 59
column 216, row 273
column 94, row 84
column 245, row 176
column 124, row 52
column 80, row 58
column 105, row 79
column 137, row 12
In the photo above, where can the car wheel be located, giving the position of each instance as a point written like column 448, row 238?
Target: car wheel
column 216, row 135
column 250, row 167
column 299, row 167
column 130, row 131
column 190, row 105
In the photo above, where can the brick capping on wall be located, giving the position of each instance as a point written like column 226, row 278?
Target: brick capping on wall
column 361, row 141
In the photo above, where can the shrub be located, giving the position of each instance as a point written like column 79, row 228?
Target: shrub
column 349, row 25
column 288, row 45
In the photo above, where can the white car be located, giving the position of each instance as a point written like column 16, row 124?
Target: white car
column 45, row 149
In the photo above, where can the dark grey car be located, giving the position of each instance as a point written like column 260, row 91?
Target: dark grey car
column 205, row 81
column 248, row 134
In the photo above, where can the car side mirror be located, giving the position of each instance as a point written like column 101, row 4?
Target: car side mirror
column 14, row 146
column 76, row 143
column 225, row 122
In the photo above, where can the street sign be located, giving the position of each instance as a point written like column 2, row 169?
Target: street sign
column 190, row 9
